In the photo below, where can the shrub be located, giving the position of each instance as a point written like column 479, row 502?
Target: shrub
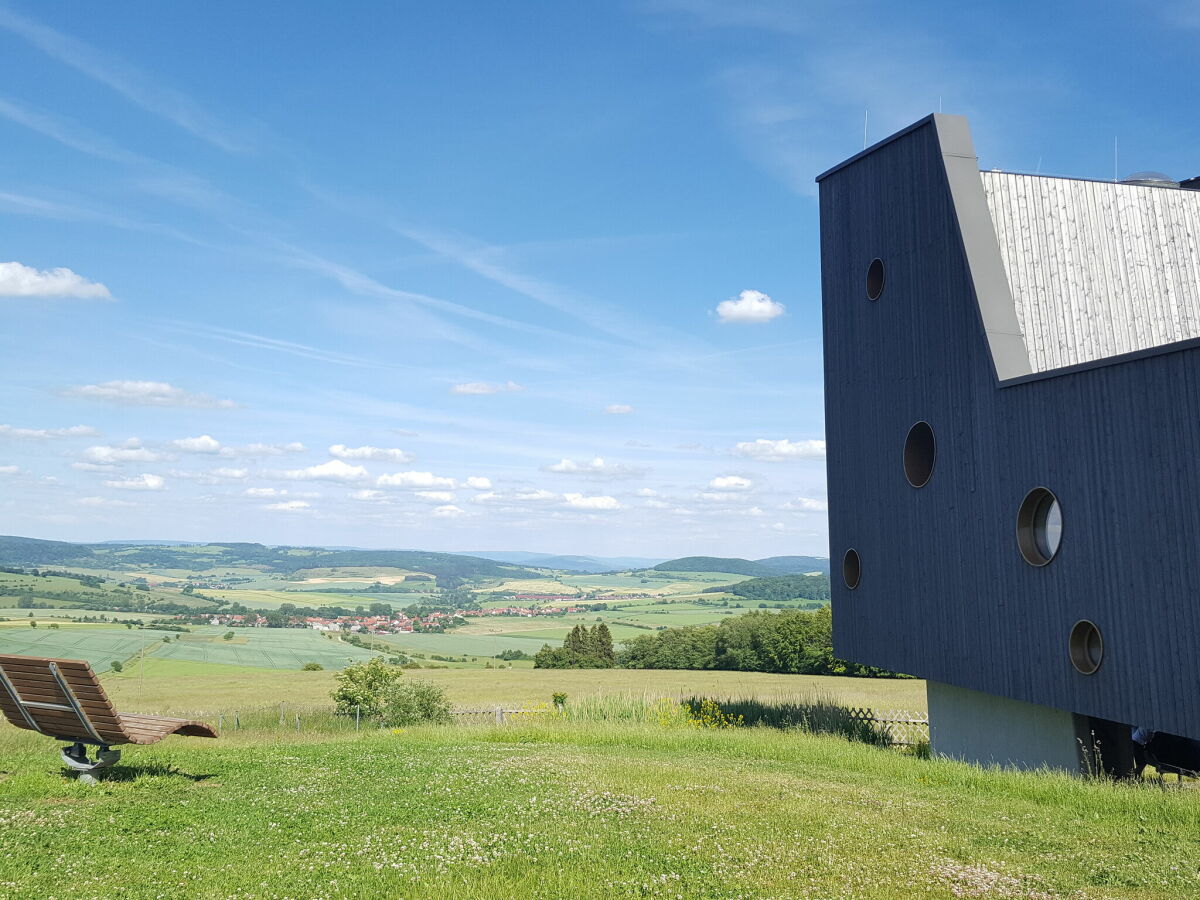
column 227, row 636
column 560, row 699
column 413, row 702
column 363, row 686
column 312, row 667
column 115, row 665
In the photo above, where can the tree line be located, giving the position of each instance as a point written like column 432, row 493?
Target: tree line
column 583, row 648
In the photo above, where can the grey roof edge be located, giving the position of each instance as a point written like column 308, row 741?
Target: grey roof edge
column 1104, row 361
column 993, row 293
column 869, row 150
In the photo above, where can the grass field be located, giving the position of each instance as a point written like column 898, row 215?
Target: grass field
column 184, row 687
column 547, row 809
column 271, row 599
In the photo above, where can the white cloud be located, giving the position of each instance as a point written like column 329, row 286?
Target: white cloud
column 487, row 497
column 449, row 512
column 437, row 496
column 426, row 480
column 264, row 492
column 367, row 495
column 131, row 451
column 235, row 474
column 807, row 504
column 485, row 387
column 781, row 450
column 90, row 467
column 594, row 468
column 657, row 504
column 479, row 483
column 750, row 307
column 39, row 434
column 17, row 280
column 730, row 483
column 647, row 492
column 618, row 409
column 334, row 470
column 341, row 451
column 147, row 393
column 289, row 506
column 579, row 501
column 143, row 482
column 538, row 496
column 9, row 470
column 103, row 501
column 205, row 443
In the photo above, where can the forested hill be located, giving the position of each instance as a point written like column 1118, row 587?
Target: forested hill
column 20, row 551
column 23, row 551
column 714, row 564
column 774, row 565
column 779, row 588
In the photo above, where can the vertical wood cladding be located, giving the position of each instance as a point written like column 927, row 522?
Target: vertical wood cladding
column 945, row 593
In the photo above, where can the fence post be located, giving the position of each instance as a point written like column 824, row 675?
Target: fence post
column 499, row 716
column 297, row 723
column 237, row 722
column 220, row 723
column 282, row 704
column 357, row 717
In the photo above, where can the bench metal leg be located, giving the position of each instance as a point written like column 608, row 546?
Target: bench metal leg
column 75, row 757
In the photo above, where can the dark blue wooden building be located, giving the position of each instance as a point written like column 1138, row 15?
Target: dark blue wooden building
column 1013, row 436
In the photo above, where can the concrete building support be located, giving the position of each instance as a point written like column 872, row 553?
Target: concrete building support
column 988, row 730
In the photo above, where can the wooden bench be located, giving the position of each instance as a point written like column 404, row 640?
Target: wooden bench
column 63, row 699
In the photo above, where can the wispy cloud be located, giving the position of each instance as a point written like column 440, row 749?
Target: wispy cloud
column 17, row 280
column 143, row 482
column 334, row 470
column 147, row 393
column 486, row 387
column 597, row 467
column 780, row 450
column 730, row 483
column 142, row 89
column 579, row 501
column 618, row 409
column 41, row 434
column 392, row 454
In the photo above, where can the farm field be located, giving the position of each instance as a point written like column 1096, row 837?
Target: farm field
column 456, row 643
column 71, row 613
column 100, row 645
column 551, row 809
column 182, row 687
column 267, row 648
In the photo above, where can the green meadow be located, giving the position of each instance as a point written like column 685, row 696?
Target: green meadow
column 548, row 808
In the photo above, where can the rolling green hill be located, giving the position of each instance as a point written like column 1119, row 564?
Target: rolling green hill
column 23, row 551
column 715, row 564
column 779, row 588
column 795, row 565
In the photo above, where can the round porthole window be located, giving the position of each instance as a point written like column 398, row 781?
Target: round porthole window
column 1039, row 527
column 851, row 568
column 920, row 451
column 875, row 279
column 1086, row 646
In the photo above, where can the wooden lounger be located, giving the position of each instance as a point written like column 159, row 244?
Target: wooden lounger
column 63, row 699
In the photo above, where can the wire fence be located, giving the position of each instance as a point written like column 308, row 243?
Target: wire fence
column 905, row 728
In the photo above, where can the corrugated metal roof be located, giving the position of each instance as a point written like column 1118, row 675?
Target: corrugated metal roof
column 1096, row 269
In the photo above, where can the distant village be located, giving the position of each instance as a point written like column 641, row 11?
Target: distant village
column 396, row 623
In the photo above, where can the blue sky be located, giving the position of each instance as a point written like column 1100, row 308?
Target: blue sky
column 482, row 276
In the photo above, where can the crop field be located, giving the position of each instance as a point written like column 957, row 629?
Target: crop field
column 71, row 613
column 267, row 648
column 456, row 643
column 170, row 686
column 100, row 645
column 547, row 809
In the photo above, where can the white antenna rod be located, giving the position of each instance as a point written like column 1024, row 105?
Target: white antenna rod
column 865, row 114
column 1116, row 162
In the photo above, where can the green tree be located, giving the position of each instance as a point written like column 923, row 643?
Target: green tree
column 412, row 702
column 115, row 665
column 364, row 686
column 312, row 667
column 227, row 636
